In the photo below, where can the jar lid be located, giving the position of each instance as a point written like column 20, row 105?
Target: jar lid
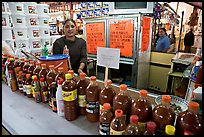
column 166, row 98
column 118, row 112
column 170, row 130
column 193, row 105
column 134, row 119
column 151, row 126
column 143, row 93
column 123, row 87
column 106, row 106
column 93, row 78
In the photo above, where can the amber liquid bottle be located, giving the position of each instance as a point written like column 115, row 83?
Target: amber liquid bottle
column 73, row 77
column 20, row 81
column 92, row 100
column 60, row 74
column 106, row 95
column 13, row 81
column 189, row 120
column 24, row 79
column 69, row 93
column 151, row 128
column 43, row 90
column 37, row 90
column 28, row 86
column 43, row 72
column 25, row 67
column 143, row 109
column 163, row 114
column 123, row 101
column 82, row 84
column 31, row 68
column 105, row 119
column 118, row 124
column 22, row 62
column 16, row 64
column 37, row 69
column 133, row 127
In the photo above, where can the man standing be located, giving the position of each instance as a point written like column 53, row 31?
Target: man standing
column 189, row 41
column 163, row 43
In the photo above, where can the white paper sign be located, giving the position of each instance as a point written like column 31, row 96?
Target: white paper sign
column 108, row 57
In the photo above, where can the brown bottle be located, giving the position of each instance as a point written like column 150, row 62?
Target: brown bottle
column 10, row 64
column 69, row 93
column 189, row 120
column 151, row 127
column 123, row 101
column 133, row 127
column 37, row 69
column 13, row 81
column 22, row 62
column 43, row 72
column 92, row 100
column 106, row 95
column 31, row 68
column 105, row 119
column 28, row 86
column 82, row 84
column 20, row 81
column 18, row 69
column 163, row 114
column 73, row 77
column 25, row 67
column 37, row 90
column 118, row 124
column 43, row 90
column 143, row 109
column 16, row 64
column 60, row 74
column 24, row 79
column 50, row 77
column 33, row 85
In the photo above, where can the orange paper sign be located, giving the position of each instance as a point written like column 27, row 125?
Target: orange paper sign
column 145, row 33
column 95, row 36
column 121, row 36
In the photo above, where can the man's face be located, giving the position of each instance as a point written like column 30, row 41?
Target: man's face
column 161, row 33
column 70, row 29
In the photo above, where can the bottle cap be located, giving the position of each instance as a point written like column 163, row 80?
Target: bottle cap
column 71, row 72
column 20, row 72
column 82, row 75
column 118, row 112
column 4, row 55
column 134, row 119
column 18, row 68
column 34, row 76
column 143, row 93
column 93, row 78
column 123, row 87
column 37, row 63
column 166, row 98
column 106, row 106
column 68, row 76
column 151, row 126
column 24, row 74
column 109, row 82
column 11, row 59
column 27, row 75
column 170, row 130
column 35, row 79
column 60, row 69
column 43, row 65
column 11, row 71
column 60, row 81
column 31, row 62
column 41, row 79
column 51, row 66
column 193, row 105
column 188, row 133
column 26, row 60
column 22, row 59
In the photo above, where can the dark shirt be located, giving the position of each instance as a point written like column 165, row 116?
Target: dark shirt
column 77, row 51
column 189, row 39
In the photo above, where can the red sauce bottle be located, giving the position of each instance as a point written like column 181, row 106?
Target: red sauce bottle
column 16, row 64
column 189, row 120
column 28, row 86
column 37, row 90
column 123, row 101
column 60, row 74
column 105, row 119
column 37, row 69
column 43, row 90
column 82, row 84
column 31, row 68
column 24, row 79
column 13, row 82
column 106, row 95
column 92, row 100
column 143, row 109
column 163, row 114
column 118, row 124
column 20, row 81
column 25, row 67
column 151, row 128
column 43, row 72
column 69, row 93
column 22, row 62
column 133, row 127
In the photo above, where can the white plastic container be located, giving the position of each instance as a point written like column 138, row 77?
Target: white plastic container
column 43, row 20
column 44, row 31
column 35, row 43
column 6, row 20
column 5, row 7
column 19, row 20
column 46, row 40
column 59, row 100
column 20, row 32
column 33, row 32
column 30, row 8
column 16, row 7
column 6, row 33
column 32, row 20
column 42, row 9
column 22, row 43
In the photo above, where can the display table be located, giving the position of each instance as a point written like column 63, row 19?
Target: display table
column 23, row 116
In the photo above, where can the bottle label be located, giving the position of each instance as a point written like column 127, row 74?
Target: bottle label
column 60, row 107
column 113, row 132
column 28, row 89
column 54, row 104
column 32, row 89
column 104, row 129
column 92, row 107
column 101, row 108
column 37, row 97
column 142, row 126
column 69, row 96
column 45, row 94
column 82, row 100
column 20, row 86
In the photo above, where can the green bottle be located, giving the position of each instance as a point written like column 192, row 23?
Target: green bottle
column 45, row 50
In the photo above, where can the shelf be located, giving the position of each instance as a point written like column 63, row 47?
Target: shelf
column 176, row 74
